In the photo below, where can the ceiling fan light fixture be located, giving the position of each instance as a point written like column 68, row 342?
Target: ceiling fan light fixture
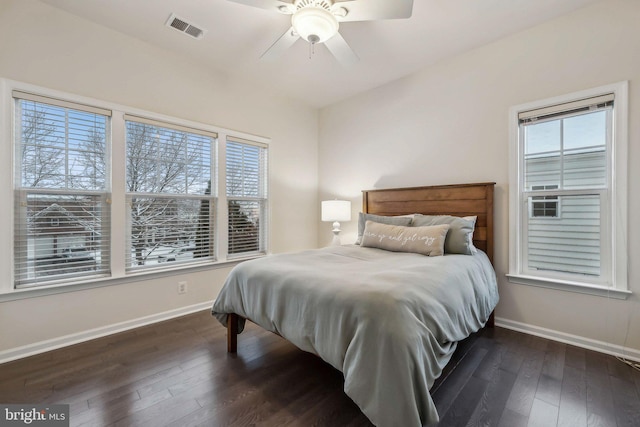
column 315, row 24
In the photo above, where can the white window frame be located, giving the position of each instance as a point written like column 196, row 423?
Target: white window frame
column 117, row 187
column 615, row 284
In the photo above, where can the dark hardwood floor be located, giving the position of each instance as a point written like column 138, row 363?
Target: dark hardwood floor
column 177, row 373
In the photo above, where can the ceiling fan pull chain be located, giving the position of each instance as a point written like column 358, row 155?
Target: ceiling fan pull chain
column 312, row 39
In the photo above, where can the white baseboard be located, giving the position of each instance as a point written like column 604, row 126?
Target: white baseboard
column 578, row 341
column 55, row 343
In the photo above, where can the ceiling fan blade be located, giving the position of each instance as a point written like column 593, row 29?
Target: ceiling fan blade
column 338, row 46
column 273, row 5
column 283, row 43
column 372, row 10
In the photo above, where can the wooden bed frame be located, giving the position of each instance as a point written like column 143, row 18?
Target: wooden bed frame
column 457, row 200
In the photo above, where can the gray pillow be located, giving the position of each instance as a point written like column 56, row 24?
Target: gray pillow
column 459, row 239
column 393, row 220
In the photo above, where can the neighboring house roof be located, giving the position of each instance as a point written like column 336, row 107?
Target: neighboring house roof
column 60, row 211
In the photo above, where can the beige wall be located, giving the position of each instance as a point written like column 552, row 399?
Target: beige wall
column 449, row 124
column 47, row 47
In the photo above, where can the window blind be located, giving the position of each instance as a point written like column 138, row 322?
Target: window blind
column 246, row 172
column 566, row 108
column 165, row 125
column 169, row 194
column 26, row 96
column 62, row 212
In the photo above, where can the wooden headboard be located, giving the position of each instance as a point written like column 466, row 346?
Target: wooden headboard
column 457, row 200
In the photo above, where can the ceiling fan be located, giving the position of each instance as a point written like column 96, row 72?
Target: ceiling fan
column 318, row 21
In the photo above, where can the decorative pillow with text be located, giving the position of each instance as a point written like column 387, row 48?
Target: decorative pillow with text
column 427, row 240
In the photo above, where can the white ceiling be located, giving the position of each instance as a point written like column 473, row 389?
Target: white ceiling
column 237, row 35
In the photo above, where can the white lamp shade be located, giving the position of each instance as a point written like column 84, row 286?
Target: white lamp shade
column 336, row 210
column 315, row 21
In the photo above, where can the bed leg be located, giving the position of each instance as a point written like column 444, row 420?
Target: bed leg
column 232, row 333
column 491, row 322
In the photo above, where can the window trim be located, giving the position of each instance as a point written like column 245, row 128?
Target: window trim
column 8, row 292
column 616, row 210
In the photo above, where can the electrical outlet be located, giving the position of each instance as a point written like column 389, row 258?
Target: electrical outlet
column 182, row 287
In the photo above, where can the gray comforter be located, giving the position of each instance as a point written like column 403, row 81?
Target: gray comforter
column 389, row 321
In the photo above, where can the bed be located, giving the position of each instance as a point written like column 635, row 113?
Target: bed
column 389, row 321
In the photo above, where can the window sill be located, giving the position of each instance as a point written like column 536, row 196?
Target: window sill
column 40, row 291
column 569, row 286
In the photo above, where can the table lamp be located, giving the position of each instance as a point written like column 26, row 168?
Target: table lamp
column 335, row 211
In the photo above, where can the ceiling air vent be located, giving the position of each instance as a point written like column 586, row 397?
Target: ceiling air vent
column 185, row 27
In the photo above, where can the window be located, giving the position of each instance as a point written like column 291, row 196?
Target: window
column 62, row 210
column 246, row 172
column 102, row 192
column 170, row 201
column 544, row 206
column 568, row 192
